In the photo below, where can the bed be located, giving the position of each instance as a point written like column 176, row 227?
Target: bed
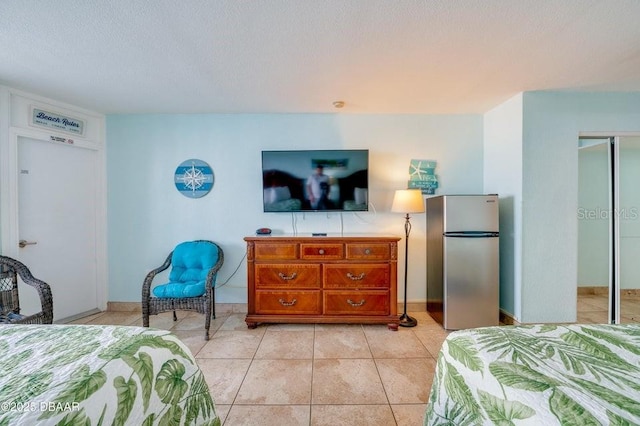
column 354, row 191
column 538, row 375
column 282, row 191
column 90, row 375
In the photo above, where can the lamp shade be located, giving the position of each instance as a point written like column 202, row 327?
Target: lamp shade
column 408, row 201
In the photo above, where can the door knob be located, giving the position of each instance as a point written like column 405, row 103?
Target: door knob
column 23, row 243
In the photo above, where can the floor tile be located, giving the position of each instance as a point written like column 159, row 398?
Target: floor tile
column 341, row 343
column 432, row 339
column 352, row 381
column 232, row 344
column 234, row 322
column 409, row 414
column 322, row 374
column 87, row 319
column 342, row 327
column 406, row 381
column 195, row 321
column 277, row 382
column 268, row 415
column 222, row 410
column 395, row 344
column 351, row 415
column 224, row 377
column 289, row 327
column 117, row 318
column 286, row 345
column 193, row 339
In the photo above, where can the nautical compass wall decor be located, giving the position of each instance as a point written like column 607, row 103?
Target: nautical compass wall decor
column 194, row 178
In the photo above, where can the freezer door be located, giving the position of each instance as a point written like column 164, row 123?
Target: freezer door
column 471, row 213
column 471, row 282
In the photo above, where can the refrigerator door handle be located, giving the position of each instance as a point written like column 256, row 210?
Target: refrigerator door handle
column 472, row 234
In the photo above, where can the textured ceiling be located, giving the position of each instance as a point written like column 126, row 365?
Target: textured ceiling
column 282, row 56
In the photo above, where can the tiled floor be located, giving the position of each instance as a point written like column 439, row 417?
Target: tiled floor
column 308, row 374
column 323, row 374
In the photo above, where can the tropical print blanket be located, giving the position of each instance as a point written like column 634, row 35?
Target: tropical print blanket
column 538, row 375
column 99, row 375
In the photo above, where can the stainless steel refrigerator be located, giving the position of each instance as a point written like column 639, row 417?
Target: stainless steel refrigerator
column 463, row 260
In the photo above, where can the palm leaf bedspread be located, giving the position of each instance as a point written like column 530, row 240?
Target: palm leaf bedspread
column 538, row 375
column 100, row 375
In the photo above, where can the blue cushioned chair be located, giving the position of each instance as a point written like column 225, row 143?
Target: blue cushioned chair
column 192, row 279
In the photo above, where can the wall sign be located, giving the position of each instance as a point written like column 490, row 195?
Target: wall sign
column 194, row 178
column 422, row 176
column 52, row 120
column 61, row 140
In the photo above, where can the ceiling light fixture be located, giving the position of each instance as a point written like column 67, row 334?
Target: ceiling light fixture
column 338, row 104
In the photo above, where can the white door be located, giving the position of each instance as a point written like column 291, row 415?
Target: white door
column 57, row 212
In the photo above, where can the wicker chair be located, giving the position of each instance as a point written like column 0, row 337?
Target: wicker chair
column 194, row 263
column 10, row 270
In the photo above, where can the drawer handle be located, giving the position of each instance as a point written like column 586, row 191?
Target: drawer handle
column 287, row 277
column 355, row 277
column 285, row 303
column 367, row 251
column 355, row 304
column 321, row 251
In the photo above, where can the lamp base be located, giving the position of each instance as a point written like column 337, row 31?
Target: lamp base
column 407, row 321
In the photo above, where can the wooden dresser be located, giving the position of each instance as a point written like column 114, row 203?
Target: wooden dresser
column 345, row 279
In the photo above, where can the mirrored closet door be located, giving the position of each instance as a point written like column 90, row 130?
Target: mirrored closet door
column 609, row 230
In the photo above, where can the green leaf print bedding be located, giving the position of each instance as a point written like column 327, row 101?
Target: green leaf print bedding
column 538, row 375
column 99, row 375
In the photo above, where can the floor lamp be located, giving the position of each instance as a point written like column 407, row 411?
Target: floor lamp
column 407, row 201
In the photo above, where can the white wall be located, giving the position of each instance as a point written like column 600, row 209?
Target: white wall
column 503, row 176
column 147, row 215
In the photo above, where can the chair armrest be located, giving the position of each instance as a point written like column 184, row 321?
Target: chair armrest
column 43, row 289
column 213, row 271
column 146, row 286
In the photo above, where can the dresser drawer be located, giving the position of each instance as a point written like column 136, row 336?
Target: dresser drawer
column 307, row 302
column 321, row 251
column 366, row 251
column 276, row 251
column 287, row 275
column 369, row 302
column 356, row 275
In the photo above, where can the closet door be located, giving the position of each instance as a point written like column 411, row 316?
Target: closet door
column 627, row 212
column 595, row 230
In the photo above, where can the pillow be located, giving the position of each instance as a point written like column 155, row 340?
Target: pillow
column 192, row 260
column 275, row 194
column 282, row 193
column 269, row 195
column 360, row 195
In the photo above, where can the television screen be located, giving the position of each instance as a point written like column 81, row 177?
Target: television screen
column 315, row 180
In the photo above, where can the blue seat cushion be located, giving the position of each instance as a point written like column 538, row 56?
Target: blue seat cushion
column 183, row 289
column 190, row 263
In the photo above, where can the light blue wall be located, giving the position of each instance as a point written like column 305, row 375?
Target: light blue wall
column 629, row 213
column 147, row 216
column 593, row 216
column 552, row 124
column 503, row 176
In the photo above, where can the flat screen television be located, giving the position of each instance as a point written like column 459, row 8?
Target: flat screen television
column 315, row 180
